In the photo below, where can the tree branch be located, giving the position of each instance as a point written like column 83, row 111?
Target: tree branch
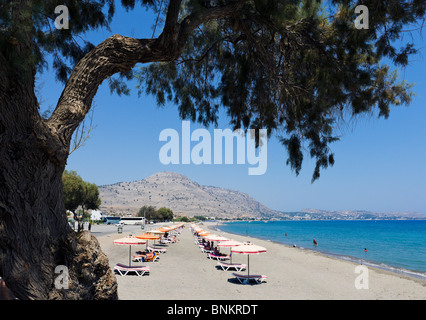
column 116, row 54
column 120, row 54
column 202, row 15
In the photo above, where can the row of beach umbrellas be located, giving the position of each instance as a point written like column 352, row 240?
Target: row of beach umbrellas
column 246, row 248
column 144, row 238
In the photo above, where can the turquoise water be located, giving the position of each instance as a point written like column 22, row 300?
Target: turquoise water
column 398, row 246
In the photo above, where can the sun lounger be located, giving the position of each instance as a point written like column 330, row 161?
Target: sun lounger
column 158, row 250
column 243, row 278
column 146, row 257
column 153, row 258
column 205, row 250
column 124, row 270
column 237, row 266
column 217, row 257
column 139, row 258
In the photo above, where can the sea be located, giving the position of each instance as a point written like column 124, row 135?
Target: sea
column 395, row 245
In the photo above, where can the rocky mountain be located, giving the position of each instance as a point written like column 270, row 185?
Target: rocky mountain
column 183, row 196
column 187, row 197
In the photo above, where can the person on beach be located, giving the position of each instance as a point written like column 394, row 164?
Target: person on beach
column 315, row 242
column 208, row 246
column 217, row 253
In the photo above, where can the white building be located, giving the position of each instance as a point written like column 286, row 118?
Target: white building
column 96, row 215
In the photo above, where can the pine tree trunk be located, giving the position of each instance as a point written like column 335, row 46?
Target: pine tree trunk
column 35, row 237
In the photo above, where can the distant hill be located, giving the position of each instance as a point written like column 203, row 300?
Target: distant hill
column 317, row 214
column 187, row 197
column 183, row 196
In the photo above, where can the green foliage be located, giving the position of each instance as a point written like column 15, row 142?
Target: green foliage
column 294, row 67
column 146, row 211
column 150, row 213
column 78, row 192
column 289, row 67
column 65, row 46
column 73, row 189
column 92, row 200
column 182, row 219
column 165, row 214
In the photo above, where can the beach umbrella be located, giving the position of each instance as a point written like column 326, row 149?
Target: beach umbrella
column 248, row 248
column 229, row 244
column 214, row 237
column 157, row 231
column 204, row 234
column 165, row 229
column 148, row 236
column 130, row 241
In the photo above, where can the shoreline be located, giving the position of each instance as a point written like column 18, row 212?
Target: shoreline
column 185, row 273
column 353, row 260
column 398, row 271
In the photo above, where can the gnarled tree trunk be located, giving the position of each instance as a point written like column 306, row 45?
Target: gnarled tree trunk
column 35, row 237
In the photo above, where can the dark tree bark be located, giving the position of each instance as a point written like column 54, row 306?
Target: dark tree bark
column 35, row 237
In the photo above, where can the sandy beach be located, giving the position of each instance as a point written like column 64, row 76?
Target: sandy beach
column 184, row 272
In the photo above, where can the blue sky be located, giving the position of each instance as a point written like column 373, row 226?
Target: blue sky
column 380, row 164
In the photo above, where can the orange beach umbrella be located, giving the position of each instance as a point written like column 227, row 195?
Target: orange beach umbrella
column 157, row 231
column 148, row 236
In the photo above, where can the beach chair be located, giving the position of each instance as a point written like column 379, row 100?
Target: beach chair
column 236, row 266
column 158, row 250
column 123, row 270
column 153, row 258
column 243, row 278
column 216, row 257
column 139, row 258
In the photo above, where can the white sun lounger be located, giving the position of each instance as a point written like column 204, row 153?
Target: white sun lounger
column 159, row 250
column 215, row 257
column 243, row 278
column 237, row 266
column 124, row 270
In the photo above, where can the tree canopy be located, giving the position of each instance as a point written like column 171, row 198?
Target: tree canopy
column 79, row 193
column 293, row 67
column 150, row 213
